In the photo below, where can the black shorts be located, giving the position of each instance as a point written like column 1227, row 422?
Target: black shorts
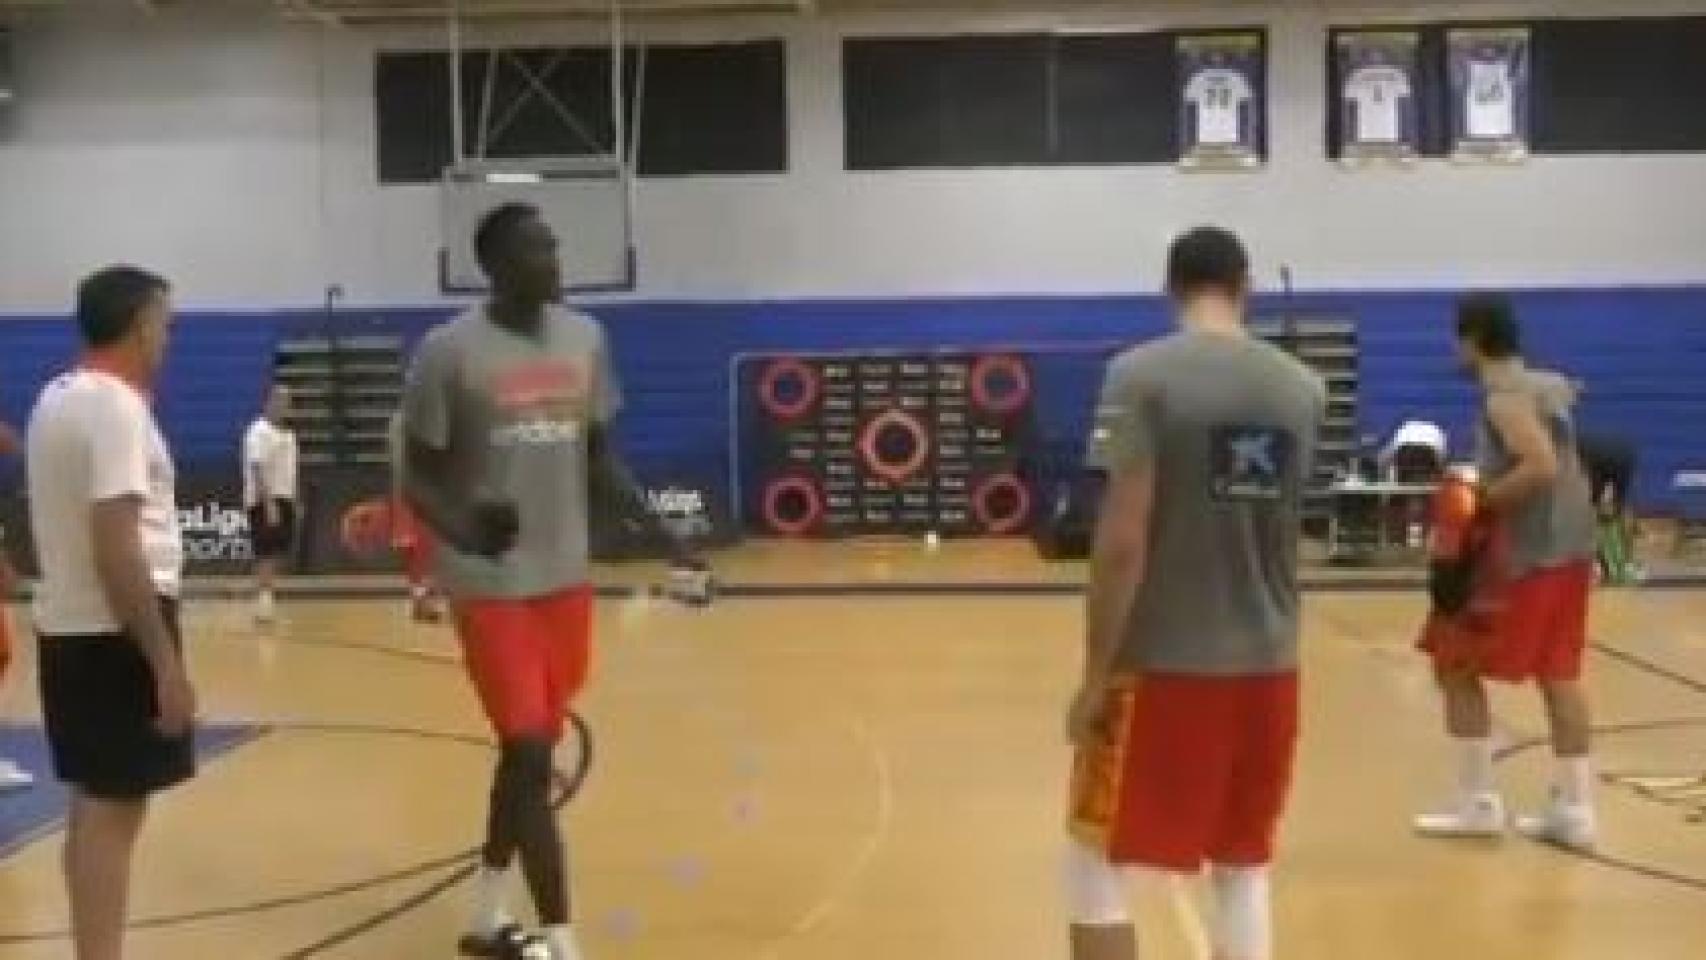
column 273, row 540
column 97, row 695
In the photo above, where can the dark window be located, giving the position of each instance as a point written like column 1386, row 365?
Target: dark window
column 1009, row 99
column 1633, row 85
column 537, row 102
column 714, row 109
column 707, row 109
column 1115, row 98
column 945, row 101
column 413, row 97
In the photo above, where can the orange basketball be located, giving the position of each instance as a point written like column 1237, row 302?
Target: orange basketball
column 365, row 528
column 1456, row 505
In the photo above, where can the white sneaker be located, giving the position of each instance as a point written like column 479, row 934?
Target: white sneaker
column 1571, row 825
column 14, row 777
column 1476, row 815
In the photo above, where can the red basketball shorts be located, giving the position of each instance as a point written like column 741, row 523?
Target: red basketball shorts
column 528, row 658
column 1535, row 628
column 1195, row 769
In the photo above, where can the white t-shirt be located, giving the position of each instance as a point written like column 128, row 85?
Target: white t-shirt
column 93, row 438
column 1219, row 96
column 1491, row 107
column 271, row 450
column 1379, row 93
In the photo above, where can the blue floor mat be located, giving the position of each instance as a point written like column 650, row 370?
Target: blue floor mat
column 26, row 815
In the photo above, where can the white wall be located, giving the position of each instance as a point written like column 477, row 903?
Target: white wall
column 238, row 157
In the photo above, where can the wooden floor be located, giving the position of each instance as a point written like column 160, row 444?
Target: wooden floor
column 845, row 778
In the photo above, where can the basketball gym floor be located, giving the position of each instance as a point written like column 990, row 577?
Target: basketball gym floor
column 818, row 772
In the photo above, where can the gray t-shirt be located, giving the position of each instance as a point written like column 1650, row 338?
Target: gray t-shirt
column 1556, row 525
column 1229, row 425
column 513, row 413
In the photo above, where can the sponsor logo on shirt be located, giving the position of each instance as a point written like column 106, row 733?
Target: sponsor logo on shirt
column 1250, row 463
column 544, row 401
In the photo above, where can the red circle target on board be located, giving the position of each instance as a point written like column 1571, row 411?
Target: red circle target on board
column 792, row 505
column 1002, row 503
column 1000, row 383
column 788, row 388
column 893, row 428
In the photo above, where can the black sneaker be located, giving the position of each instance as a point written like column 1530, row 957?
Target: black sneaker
column 509, row 942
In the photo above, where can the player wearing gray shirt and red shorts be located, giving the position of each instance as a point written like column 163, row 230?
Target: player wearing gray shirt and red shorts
column 1529, row 623
column 505, row 422
column 1186, row 720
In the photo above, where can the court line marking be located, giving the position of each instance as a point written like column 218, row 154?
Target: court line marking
column 1613, row 861
column 27, row 839
column 569, row 787
column 568, row 782
column 763, row 590
column 1526, row 743
column 875, row 840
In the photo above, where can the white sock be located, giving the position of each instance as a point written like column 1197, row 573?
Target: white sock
column 562, row 941
column 264, row 600
column 1243, row 913
column 1575, row 780
column 1475, row 766
column 491, row 896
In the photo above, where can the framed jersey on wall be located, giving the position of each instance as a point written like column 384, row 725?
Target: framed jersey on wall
column 1222, row 100
column 1379, row 95
column 1489, row 68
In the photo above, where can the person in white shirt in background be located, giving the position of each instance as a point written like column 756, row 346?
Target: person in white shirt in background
column 116, row 694
column 12, row 775
column 1416, row 436
column 269, row 494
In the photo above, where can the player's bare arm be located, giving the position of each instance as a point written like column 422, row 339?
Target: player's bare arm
column 478, row 529
column 123, row 572
column 1116, row 573
column 1514, row 418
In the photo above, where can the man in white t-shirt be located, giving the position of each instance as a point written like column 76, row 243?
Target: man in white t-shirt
column 269, row 494
column 1219, row 96
column 116, row 695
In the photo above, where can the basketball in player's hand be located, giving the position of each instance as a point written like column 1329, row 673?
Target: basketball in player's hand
column 1455, row 546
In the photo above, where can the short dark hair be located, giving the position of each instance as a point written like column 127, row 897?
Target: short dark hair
column 1207, row 258
column 496, row 230
column 109, row 300
column 1488, row 320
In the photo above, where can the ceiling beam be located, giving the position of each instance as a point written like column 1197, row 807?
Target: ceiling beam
column 369, row 11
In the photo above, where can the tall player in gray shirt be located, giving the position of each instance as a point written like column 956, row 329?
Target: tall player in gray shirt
column 1536, row 489
column 1186, row 720
column 506, row 419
